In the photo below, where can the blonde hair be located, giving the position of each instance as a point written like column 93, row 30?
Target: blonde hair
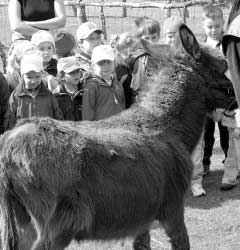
column 212, row 11
column 146, row 25
column 123, row 41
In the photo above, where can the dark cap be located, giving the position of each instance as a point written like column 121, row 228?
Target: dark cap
column 64, row 43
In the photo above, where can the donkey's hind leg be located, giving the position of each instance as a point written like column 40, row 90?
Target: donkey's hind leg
column 176, row 230
column 69, row 218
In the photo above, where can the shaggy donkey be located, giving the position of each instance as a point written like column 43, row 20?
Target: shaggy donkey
column 111, row 178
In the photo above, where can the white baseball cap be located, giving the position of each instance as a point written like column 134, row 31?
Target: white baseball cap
column 42, row 36
column 31, row 62
column 86, row 29
column 102, row 52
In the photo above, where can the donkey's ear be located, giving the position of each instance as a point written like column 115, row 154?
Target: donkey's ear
column 189, row 41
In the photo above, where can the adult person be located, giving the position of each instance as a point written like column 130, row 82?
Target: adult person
column 29, row 16
column 231, row 46
column 231, row 49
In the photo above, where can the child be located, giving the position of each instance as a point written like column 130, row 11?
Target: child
column 213, row 26
column 64, row 44
column 170, row 26
column 88, row 37
column 46, row 44
column 149, row 29
column 31, row 97
column 213, row 23
column 16, row 52
column 103, row 96
column 69, row 91
column 123, row 45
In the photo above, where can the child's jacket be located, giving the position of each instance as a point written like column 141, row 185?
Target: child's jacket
column 51, row 67
column 70, row 105
column 23, row 105
column 101, row 100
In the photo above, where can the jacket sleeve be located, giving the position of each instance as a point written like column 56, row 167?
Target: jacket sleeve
column 11, row 113
column 4, row 97
column 57, row 113
column 89, row 101
column 233, row 57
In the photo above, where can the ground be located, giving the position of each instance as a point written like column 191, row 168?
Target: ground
column 213, row 221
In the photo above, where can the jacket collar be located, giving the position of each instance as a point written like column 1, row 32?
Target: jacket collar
column 63, row 91
column 101, row 81
column 21, row 90
column 219, row 40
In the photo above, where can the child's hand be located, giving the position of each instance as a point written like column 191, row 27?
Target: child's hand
column 52, row 82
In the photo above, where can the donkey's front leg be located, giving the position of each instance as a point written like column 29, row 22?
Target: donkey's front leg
column 176, row 230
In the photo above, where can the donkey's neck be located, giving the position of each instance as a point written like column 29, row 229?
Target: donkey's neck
column 176, row 108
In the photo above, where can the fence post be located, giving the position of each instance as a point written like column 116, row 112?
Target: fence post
column 74, row 9
column 124, row 14
column 103, row 21
column 168, row 11
column 82, row 13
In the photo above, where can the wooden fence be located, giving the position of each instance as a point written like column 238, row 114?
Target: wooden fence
column 80, row 7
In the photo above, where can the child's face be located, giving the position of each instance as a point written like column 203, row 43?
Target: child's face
column 47, row 50
column 91, row 42
column 104, row 68
column 73, row 77
column 170, row 38
column 213, row 27
column 32, row 79
column 154, row 38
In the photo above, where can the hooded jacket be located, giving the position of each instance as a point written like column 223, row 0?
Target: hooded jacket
column 70, row 104
column 101, row 100
column 23, row 105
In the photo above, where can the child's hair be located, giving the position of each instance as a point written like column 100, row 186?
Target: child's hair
column 212, row 11
column 123, row 41
column 146, row 25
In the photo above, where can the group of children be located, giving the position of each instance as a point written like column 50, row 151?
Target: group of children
column 84, row 79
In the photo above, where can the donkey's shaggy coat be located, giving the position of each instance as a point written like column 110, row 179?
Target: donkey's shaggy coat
column 111, row 178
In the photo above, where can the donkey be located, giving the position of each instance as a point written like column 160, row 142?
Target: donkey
column 112, row 178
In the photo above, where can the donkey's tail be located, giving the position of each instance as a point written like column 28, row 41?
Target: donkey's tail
column 12, row 212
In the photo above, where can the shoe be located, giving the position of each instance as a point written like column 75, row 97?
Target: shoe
column 197, row 190
column 227, row 186
column 206, row 169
